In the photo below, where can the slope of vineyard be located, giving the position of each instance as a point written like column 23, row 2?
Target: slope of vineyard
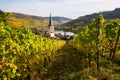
column 23, row 53
column 99, row 43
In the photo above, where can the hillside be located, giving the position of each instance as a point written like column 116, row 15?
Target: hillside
column 83, row 20
column 60, row 20
column 19, row 19
column 107, row 14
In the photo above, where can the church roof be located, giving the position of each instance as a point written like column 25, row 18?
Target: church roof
column 50, row 21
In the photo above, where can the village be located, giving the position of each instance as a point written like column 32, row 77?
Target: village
column 54, row 34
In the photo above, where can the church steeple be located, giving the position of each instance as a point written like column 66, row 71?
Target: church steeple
column 51, row 28
column 50, row 21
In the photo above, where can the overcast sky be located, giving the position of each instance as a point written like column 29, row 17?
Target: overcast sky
column 66, row 8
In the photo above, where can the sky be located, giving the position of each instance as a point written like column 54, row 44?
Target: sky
column 66, row 8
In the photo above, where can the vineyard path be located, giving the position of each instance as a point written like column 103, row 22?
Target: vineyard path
column 66, row 64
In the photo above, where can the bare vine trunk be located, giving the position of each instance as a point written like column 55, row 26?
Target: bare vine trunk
column 98, row 41
column 115, row 48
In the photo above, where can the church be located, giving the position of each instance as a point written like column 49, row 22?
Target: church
column 51, row 30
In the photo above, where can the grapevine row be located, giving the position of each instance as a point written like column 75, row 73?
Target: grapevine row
column 97, row 39
column 23, row 53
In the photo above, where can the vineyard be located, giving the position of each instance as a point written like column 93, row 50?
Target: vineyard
column 99, row 43
column 98, row 38
column 22, row 53
column 93, row 54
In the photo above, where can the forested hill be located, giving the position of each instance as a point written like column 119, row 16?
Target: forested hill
column 80, row 21
column 107, row 14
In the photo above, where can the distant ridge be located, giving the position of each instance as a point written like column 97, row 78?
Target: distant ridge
column 107, row 14
column 61, row 20
column 83, row 20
